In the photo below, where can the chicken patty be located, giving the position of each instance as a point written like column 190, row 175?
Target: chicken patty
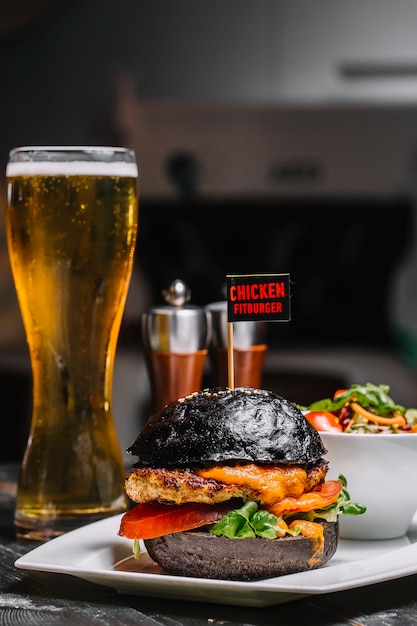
column 264, row 484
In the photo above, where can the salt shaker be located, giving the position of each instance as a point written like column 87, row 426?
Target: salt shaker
column 175, row 337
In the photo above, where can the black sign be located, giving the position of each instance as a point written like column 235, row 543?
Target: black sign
column 262, row 297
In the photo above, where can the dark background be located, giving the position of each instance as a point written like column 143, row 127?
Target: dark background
column 62, row 62
column 342, row 256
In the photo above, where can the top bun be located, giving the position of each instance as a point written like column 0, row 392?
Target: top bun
column 222, row 425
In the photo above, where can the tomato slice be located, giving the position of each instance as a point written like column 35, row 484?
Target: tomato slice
column 146, row 521
column 338, row 392
column 324, row 421
column 321, row 497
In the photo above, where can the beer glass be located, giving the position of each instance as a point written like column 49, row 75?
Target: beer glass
column 71, row 223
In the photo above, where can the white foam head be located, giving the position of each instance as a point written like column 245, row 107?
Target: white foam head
column 73, row 165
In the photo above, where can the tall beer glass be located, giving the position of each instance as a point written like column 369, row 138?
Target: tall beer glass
column 71, row 226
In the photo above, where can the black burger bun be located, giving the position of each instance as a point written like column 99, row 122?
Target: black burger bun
column 202, row 555
column 240, row 425
column 223, row 426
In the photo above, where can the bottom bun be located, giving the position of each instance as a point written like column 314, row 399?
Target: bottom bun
column 203, row 555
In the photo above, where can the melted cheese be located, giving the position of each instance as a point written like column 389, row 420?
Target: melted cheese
column 273, row 483
column 304, row 502
column 315, row 532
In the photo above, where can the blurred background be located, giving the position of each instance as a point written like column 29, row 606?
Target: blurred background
column 271, row 136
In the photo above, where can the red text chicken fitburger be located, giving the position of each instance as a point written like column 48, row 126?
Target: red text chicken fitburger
column 231, row 483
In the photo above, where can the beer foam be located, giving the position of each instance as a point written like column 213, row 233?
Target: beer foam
column 71, row 168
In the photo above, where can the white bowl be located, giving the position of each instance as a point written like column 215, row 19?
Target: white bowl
column 381, row 471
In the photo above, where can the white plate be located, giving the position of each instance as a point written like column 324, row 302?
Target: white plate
column 97, row 554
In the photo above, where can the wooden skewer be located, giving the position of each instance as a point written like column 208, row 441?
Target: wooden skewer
column 230, row 363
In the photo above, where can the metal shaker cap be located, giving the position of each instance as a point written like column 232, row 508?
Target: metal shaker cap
column 245, row 334
column 176, row 326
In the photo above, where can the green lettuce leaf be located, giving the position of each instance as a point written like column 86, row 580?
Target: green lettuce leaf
column 342, row 506
column 248, row 521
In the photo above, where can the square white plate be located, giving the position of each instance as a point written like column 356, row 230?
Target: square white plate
column 97, row 554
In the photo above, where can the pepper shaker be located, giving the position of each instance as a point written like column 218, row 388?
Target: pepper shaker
column 249, row 349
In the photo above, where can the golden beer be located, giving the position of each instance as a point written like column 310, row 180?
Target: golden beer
column 71, row 225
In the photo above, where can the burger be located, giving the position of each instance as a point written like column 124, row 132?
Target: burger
column 231, row 484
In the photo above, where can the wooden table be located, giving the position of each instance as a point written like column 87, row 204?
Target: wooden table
column 39, row 598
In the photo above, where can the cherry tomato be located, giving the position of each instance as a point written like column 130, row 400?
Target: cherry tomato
column 324, row 421
column 146, row 521
column 338, row 393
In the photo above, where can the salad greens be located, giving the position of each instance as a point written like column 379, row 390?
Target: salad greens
column 369, row 395
column 366, row 409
